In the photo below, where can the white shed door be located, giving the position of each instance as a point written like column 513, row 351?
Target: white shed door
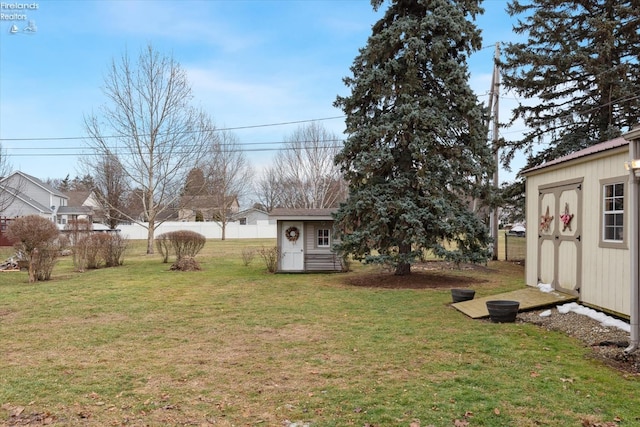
column 292, row 256
column 559, row 236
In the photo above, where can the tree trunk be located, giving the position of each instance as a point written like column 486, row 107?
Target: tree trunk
column 33, row 261
column 403, row 268
column 150, row 232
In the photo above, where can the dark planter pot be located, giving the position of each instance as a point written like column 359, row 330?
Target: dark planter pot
column 503, row 311
column 459, row 295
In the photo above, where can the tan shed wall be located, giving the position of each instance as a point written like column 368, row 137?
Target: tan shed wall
column 605, row 271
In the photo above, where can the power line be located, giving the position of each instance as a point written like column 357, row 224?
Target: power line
column 70, row 138
column 222, row 144
column 237, row 150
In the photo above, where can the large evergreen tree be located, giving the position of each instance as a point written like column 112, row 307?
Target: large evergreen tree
column 581, row 61
column 416, row 157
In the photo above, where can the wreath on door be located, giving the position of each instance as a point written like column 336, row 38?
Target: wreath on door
column 292, row 234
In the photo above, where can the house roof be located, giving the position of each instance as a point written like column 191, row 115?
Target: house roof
column 246, row 211
column 40, row 183
column 77, row 198
column 302, row 214
column 589, row 151
column 206, row 202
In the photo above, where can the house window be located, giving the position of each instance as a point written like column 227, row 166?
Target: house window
column 612, row 214
column 243, row 221
column 323, row 238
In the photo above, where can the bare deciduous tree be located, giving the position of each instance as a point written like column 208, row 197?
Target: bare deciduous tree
column 227, row 172
column 110, row 187
column 267, row 189
column 307, row 175
column 8, row 191
column 150, row 126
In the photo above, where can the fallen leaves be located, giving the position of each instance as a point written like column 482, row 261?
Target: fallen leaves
column 463, row 422
column 587, row 422
column 17, row 416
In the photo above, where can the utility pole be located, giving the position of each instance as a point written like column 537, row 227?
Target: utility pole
column 494, row 99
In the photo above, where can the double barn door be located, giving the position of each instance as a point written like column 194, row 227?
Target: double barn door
column 560, row 236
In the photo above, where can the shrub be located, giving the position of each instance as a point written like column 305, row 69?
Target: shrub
column 187, row 243
column 247, row 256
column 116, row 247
column 163, row 244
column 37, row 239
column 97, row 250
column 182, row 242
column 270, row 258
column 92, row 248
column 76, row 231
column 44, row 261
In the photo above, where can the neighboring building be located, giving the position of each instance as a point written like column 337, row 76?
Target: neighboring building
column 206, row 208
column 35, row 197
column 304, row 240
column 251, row 216
column 86, row 199
column 579, row 206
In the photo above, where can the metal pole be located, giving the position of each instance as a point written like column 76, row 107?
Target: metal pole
column 634, row 235
column 496, row 181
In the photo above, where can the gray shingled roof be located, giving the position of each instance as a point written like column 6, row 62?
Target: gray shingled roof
column 302, row 214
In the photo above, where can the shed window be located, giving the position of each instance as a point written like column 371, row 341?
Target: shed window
column 613, row 212
column 323, row 238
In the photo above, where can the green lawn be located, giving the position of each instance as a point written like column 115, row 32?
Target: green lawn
column 234, row 345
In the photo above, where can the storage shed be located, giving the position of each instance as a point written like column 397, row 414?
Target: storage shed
column 578, row 220
column 305, row 238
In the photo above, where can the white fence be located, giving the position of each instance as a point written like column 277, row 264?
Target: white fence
column 210, row 230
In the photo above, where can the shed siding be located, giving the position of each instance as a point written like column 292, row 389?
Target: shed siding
column 319, row 259
column 605, row 277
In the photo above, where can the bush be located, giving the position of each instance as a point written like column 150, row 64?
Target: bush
column 97, row 250
column 182, row 242
column 76, row 231
column 163, row 244
column 117, row 246
column 247, row 256
column 37, row 239
column 270, row 258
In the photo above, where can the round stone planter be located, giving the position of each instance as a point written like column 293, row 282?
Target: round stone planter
column 503, row 311
column 459, row 295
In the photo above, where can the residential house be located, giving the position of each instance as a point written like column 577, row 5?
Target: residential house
column 86, row 199
column 251, row 216
column 206, row 208
column 31, row 196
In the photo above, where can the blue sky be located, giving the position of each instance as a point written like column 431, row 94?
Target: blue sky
column 249, row 62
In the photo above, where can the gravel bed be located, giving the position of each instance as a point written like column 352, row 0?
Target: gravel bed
column 607, row 343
